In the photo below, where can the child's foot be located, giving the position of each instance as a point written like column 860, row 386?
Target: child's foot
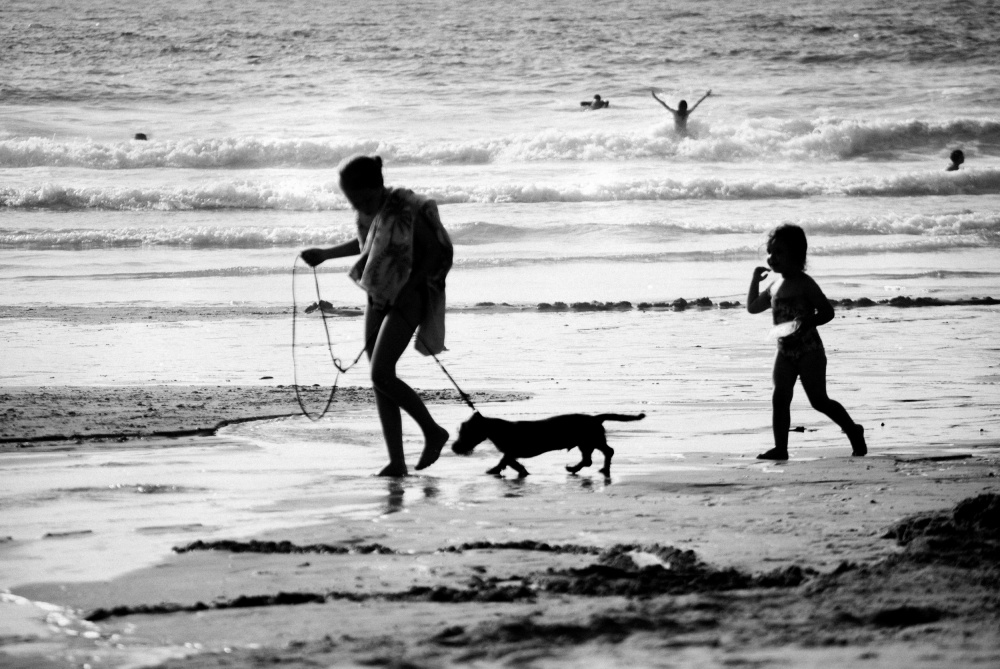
column 857, row 436
column 774, row 454
column 432, row 449
column 394, row 470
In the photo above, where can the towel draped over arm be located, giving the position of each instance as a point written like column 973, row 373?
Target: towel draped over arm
column 387, row 261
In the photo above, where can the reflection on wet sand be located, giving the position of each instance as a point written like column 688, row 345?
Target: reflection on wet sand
column 396, row 491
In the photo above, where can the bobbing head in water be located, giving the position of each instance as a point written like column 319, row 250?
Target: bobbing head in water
column 957, row 158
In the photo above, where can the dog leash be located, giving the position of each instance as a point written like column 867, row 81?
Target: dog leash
column 461, row 393
column 336, row 361
column 329, row 347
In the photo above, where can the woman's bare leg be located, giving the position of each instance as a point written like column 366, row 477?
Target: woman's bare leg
column 388, row 411
column 389, row 334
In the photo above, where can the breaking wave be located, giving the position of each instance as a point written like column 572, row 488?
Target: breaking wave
column 942, row 230
column 756, row 139
column 292, row 195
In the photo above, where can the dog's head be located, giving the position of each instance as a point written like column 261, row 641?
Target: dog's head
column 471, row 433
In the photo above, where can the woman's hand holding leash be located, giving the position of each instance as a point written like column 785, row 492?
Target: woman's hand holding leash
column 313, row 257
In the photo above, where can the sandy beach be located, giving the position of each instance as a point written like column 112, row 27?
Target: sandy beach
column 717, row 559
column 165, row 503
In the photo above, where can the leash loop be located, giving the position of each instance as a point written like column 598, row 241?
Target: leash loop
column 329, row 346
column 337, row 363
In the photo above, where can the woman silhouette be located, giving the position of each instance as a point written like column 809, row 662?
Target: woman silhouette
column 681, row 113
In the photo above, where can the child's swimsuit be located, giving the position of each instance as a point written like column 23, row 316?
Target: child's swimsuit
column 803, row 340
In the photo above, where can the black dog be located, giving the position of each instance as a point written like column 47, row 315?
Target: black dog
column 528, row 438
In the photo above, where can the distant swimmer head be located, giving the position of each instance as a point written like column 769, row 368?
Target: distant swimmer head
column 957, row 158
column 140, row 136
column 682, row 105
column 598, row 103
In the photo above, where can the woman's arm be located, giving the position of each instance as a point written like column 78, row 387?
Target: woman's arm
column 699, row 101
column 315, row 256
column 653, row 93
column 757, row 302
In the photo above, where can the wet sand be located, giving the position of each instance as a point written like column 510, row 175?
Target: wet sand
column 40, row 417
column 716, row 560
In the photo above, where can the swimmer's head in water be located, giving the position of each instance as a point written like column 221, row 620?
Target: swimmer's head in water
column 957, row 157
column 682, row 105
column 597, row 97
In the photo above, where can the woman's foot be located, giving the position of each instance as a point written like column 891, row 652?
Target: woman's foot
column 857, row 436
column 394, row 470
column 432, row 448
column 774, row 454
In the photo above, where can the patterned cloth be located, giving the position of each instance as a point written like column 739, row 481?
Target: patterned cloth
column 386, row 260
column 805, row 339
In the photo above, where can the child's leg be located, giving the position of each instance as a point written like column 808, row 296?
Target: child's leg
column 812, row 368
column 783, row 377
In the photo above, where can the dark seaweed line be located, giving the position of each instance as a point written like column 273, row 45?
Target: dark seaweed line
column 483, row 592
column 681, row 304
column 125, row 436
column 525, row 545
column 281, row 547
column 287, row 547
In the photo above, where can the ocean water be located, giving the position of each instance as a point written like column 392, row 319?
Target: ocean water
column 839, row 117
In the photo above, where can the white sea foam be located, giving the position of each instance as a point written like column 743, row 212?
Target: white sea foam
column 220, row 193
column 768, row 138
column 943, row 230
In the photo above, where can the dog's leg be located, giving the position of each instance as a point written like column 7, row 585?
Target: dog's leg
column 502, row 465
column 516, row 466
column 505, row 462
column 585, row 460
column 608, row 453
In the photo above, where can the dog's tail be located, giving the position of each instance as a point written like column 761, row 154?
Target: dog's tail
column 618, row 416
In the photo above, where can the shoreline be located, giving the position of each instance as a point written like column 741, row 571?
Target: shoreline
column 83, row 314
